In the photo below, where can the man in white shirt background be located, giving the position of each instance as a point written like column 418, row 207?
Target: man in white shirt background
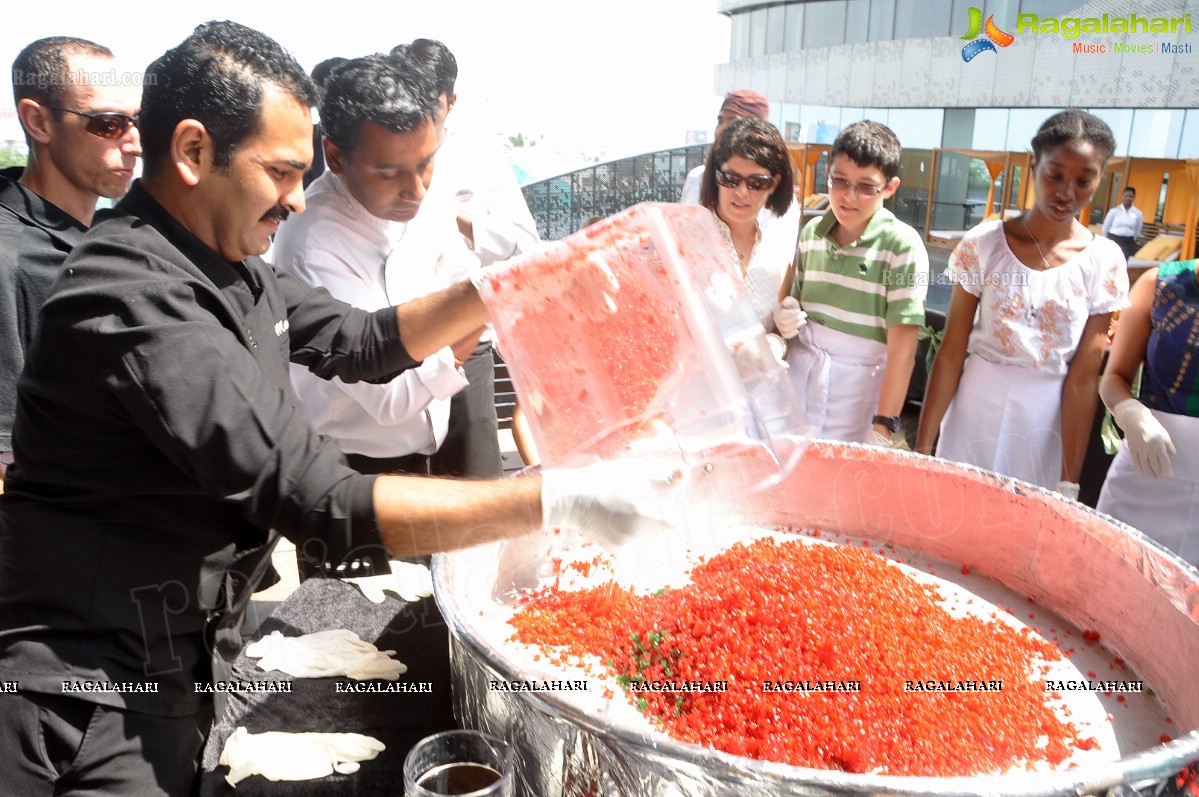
column 358, row 240
column 477, row 190
column 1123, row 223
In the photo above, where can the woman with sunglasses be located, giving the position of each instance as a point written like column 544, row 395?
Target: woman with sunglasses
column 749, row 169
column 1031, row 304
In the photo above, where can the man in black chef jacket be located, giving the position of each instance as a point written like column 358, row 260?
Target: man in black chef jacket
column 157, row 444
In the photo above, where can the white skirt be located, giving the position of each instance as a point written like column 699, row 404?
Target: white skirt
column 1165, row 509
column 837, row 377
column 1007, row 419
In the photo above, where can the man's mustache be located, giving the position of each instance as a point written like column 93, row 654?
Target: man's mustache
column 277, row 213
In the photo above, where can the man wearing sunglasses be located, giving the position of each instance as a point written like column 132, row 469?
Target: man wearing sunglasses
column 80, row 126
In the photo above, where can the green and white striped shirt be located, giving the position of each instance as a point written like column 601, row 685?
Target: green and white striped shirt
column 877, row 282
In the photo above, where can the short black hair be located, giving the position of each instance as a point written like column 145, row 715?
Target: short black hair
column 40, row 73
column 375, row 88
column 758, row 141
column 869, row 143
column 1129, row 189
column 1073, row 124
column 322, row 71
column 440, row 60
column 216, row 76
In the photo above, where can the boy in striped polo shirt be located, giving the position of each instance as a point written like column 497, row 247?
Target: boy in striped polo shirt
column 857, row 297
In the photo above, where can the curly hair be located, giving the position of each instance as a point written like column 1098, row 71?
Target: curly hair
column 758, row 141
column 869, row 143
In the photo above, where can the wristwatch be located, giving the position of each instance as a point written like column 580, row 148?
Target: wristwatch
column 889, row 421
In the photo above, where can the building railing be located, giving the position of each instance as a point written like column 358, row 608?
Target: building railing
column 561, row 204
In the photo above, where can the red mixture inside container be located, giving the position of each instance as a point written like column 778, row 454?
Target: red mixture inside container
column 789, row 629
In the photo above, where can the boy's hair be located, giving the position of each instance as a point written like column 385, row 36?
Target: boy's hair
column 1074, row 125
column 758, row 141
column 1128, row 189
column 868, row 143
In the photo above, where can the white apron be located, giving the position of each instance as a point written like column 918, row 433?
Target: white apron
column 1165, row 509
column 837, row 377
column 1007, row 419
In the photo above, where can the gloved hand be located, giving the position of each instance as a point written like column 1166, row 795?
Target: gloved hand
column 325, row 654
column 877, row 438
column 407, row 581
column 788, row 318
column 612, row 501
column 1148, row 441
column 1068, row 489
column 295, row 756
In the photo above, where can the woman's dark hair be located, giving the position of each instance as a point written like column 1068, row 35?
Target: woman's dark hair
column 1074, row 125
column 216, row 76
column 760, row 142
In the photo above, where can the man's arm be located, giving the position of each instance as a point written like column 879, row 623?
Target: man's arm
column 418, row 516
column 440, row 319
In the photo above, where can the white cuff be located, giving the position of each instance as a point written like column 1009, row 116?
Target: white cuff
column 440, row 376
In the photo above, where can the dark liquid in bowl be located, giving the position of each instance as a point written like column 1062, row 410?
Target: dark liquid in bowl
column 452, row 779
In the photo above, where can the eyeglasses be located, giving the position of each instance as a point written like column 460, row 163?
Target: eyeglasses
column 864, row 190
column 107, row 125
column 756, row 182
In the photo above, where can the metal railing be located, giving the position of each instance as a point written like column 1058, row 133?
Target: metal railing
column 561, row 204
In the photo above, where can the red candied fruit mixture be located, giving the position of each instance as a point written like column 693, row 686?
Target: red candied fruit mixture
column 769, row 611
column 626, row 355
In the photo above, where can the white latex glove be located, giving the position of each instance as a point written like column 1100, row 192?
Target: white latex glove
column 1148, row 441
column 877, row 438
column 325, row 654
column 1068, row 490
column 295, row 756
column 788, row 318
column 406, row 581
column 612, row 501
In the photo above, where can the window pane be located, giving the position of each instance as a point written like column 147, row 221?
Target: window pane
column 919, row 128
column 824, row 24
column 739, row 37
column 857, row 21
column 922, row 19
column 882, row 20
column 1023, row 124
column 757, row 33
column 1188, row 146
column 1120, row 121
column 990, row 130
column 794, row 32
column 1155, row 133
column 775, row 23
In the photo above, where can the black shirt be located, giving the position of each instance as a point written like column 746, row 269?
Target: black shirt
column 157, row 443
column 35, row 237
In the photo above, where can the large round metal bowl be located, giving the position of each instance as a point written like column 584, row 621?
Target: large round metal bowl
column 1093, row 571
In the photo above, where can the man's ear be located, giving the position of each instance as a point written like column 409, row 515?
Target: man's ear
column 450, row 100
column 892, row 187
column 34, row 118
column 334, row 157
column 191, row 150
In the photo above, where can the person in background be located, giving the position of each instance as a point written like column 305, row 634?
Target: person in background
column 159, row 454
column 1153, row 484
column 857, row 299
column 748, row 173
column 320, row 76
column 81, row 130
column 1031, row 306
column 476, row 188
column 1123, row 223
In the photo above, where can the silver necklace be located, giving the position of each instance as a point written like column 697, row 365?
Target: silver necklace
column 1034, row 243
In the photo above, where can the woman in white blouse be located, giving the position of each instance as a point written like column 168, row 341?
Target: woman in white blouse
column 1031, row 304
column 749, row 169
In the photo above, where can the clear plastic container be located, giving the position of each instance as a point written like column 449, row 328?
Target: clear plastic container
column 635, row 333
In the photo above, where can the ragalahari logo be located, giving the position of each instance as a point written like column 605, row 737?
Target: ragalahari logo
column 994, row 36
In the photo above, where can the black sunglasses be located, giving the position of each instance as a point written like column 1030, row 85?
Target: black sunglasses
column 756, row 182
column 107, row 125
